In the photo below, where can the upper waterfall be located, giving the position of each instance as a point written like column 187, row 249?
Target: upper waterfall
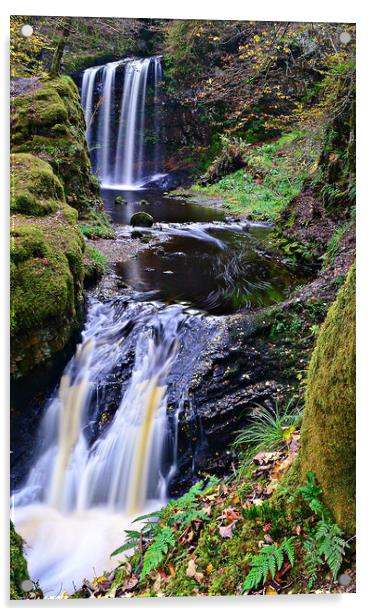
column 121, row 101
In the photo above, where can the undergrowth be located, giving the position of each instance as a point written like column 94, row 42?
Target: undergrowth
column 273, row 175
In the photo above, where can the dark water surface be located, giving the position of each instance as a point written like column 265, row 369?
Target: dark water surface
column 202, row 259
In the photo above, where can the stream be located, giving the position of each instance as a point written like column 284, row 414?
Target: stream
column 106, row 450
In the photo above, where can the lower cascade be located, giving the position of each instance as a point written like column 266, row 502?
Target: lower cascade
column 119, row 473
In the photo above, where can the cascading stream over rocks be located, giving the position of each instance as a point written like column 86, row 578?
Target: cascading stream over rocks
column 122, row 426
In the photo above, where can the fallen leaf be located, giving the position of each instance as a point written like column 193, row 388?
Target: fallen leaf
column 226, row 532
column 270, row 591
column 192, row 573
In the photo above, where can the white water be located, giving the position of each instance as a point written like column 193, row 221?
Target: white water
column 119, row 150
column 79, row 497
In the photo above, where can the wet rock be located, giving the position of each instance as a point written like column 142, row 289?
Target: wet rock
column 141, row 219
column 136, row 234
column 143, row 202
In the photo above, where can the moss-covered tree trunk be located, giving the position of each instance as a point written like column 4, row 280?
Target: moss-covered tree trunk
column 58, row 53
column 329, row 430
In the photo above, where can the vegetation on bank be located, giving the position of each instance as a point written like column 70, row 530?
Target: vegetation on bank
column 271, row 176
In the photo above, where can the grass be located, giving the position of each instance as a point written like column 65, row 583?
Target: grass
column 268, row 431
column 273, row 176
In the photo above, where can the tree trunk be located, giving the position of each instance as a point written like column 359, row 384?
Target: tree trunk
column 329, row 424
column 58, row 53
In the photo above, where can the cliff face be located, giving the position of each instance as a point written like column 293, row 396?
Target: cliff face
column 52, row 186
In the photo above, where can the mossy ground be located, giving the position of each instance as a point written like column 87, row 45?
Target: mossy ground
column 95, row 264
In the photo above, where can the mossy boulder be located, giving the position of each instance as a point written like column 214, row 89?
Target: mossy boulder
column 18, row 565
column 95, row 264
column 50, row 172
column 49, row 123
column 46, row 271
column 46, row 265
column 119, row 200
column 329, row 430
column 35, row 189
column 141, row 219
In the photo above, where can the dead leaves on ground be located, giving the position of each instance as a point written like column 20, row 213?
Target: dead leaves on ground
column 270, row 469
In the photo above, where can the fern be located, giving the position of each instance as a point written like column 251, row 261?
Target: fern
column 155, row 553
column 312, row 561
column 269, row 560
column 331, row 545
column 188, row 506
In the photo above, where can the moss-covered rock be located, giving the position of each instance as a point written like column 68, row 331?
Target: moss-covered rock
column 329, row 433
column 46, row 265
column 18, row 565
column 95, row 264
column 50, row 171
column 49, row 123
column 46, row 287
column 35, row 189
column 141, row 219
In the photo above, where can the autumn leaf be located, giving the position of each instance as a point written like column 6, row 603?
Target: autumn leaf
column 191, row 572
column 226, row 532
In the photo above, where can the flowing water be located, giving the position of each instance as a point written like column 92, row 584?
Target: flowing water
column 107, row 446
column 123, row 121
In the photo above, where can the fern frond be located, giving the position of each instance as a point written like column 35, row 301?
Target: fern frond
column 269, row 560
column 155, row 553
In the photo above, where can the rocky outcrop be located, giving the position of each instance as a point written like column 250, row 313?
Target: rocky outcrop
column 52, row 186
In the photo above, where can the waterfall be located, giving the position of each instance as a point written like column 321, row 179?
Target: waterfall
column 120, row 112
column 124, row 469
column 87, row 93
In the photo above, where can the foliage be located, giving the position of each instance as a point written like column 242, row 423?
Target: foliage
column 272, row 176
column 269, row 561
column 186, row 509
column 325, row 544
column 334, row 246
column 269, row 430
column 25, row 52
column 155, row 553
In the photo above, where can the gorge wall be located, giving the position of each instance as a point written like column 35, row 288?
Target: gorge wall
column 51, row 188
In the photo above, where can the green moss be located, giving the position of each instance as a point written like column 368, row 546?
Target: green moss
column 35, row 189
column 46, row 287
column 18, row 565
column 95, row 264
column 328, row 433
column 49, row 122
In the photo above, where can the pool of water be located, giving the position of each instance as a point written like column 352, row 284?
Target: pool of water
column 200, row 257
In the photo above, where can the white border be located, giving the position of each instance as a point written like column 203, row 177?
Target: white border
column 269, row 10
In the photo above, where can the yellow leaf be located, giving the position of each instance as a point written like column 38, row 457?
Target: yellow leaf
column 287, row 432
column 270, row 591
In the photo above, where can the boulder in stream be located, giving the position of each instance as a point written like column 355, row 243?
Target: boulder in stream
column 141, row 219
